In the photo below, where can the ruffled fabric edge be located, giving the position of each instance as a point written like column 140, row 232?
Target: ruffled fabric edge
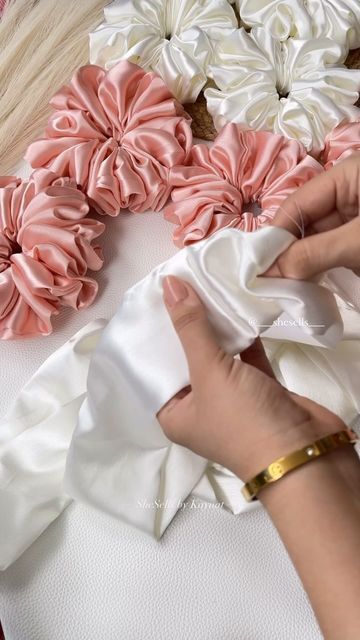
column 118, row 134
column 300, row 89
column 46, row 249
column 241, row 167
column 340, row 143
column 170, row 39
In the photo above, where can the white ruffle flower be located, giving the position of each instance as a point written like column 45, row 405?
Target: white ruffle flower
column 304, row 19
column 298, row 88
column 174, row 38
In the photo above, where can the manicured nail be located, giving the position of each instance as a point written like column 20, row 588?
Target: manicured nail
column 174, row 291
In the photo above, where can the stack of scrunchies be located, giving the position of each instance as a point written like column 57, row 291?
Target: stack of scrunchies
column 119, row 139
column 110, row 145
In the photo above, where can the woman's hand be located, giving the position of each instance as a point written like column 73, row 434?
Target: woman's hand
column 327, row 209
column 235, row 412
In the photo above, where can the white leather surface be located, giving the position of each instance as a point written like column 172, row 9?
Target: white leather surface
column 213, row 576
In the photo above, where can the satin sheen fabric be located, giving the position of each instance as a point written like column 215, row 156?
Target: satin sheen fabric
column 342, row 142
column 3, row 4
column 46, row 250
column 174, row 38
column 137, row 364
column 34, row 440
column 240, row 168
column 117, row 133
column 298, row 88
column 119, row 459
column 335, row 19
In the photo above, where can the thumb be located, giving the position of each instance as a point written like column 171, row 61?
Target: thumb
column 314, row 254
column 190, row 321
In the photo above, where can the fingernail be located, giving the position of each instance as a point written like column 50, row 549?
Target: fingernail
column 174, row 291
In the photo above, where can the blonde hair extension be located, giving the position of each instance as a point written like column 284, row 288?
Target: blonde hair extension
column 42, row 43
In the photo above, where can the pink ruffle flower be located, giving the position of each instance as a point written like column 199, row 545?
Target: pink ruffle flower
column 239, row 168
column 45, row 252
column 340, row 143
column 117, row 133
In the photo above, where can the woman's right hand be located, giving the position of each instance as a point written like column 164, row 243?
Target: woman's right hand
column 327, row 208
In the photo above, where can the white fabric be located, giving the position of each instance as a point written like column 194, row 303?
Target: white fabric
column 297, row 88
column 335, row 19
column 119, row 459
column 133, row 245
column 34, row 440
column 174, row 38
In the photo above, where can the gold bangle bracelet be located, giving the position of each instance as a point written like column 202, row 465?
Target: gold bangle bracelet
column 284, row 465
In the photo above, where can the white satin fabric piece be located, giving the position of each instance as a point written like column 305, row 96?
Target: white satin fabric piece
column 119, row 459
column 335, row 19
column 137, row 364
column 34, row 441
column 298, row 88
column 174, row 38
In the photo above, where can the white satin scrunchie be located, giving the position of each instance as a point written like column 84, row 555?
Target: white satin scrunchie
column 298, row 88
column 335, row 19
column 120, row 459
column 174, row 38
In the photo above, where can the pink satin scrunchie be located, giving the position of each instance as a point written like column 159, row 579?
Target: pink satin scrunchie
column 117, row 133
column 45, row 252
column 239, row 168
column 342, row 142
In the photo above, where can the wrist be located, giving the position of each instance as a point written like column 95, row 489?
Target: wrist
column 281, row 443
column 298, row 459
column 315, row 477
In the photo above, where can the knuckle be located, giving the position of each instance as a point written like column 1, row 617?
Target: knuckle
column 222, row 359
column 297, row 262
column 302, row 257
column 186, row 319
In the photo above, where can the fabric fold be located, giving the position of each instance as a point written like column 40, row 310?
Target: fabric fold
column 34, row 439
column 110, row 380
column 335, row 19
column 240, row 169
column 117, row 133
column 173, row 38
column 120, row 460
column 298, row 88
